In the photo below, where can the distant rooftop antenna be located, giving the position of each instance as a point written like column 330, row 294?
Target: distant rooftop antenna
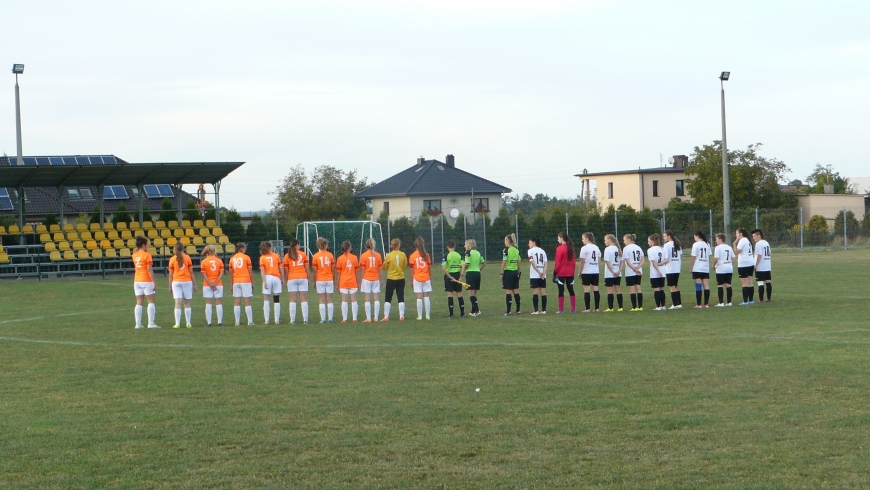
column 661, row 160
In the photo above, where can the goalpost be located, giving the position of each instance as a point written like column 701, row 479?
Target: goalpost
column 356, row 232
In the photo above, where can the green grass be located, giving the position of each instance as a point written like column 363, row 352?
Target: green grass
column 770, row 396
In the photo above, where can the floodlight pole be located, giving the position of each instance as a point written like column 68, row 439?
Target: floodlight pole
column 726, row 184
column 20, row 160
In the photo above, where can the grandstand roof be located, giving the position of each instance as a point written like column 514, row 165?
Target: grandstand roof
column 431, row 177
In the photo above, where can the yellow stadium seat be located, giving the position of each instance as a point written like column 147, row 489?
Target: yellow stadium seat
column 44, row 238
column 224, row 239
column 124, row 252
column 218, row 249
column 105, row 244
column 158, row 242
column 131, row 243
column 96, row 254
column 140, row 233
column 210, row 240
column 121, row 226
column 49, row 247
column 72, row 236
column 185, row 223
column 178, row 233
column 164, row 233
column 152, row 250
column 230, row 248
column 204, row 232
column 68, row 228
column 159, row 224
column 117, row 243
column 126, row 235
column 217, row 231
column 4, row 258
column 54, row 256
column 188, row 232
column 190, row 250
column 86, row 235
column 112, row 235
column 63, row 246
column 111, row 254
column 83, row 255
column 134, row 225
column 185, row 241
column 69, row 255
column 78, row 245
column 41, row 229
column 94, row 227
column 108, row 226
column 171, row 241
column 152, row 234
column 147, row 225
column 13, row 230
column 27, row 230
column 172, row 224
column 91, row 245
column 197, row 223
column 54, row 229
column 2, row 230
column 197, row 240
column 1, row 247
column 80, row 227
column 210, row 223
column 99, row 235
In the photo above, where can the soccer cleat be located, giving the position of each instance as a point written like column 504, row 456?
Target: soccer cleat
column 385, row 319
column 419, row 318
column 305, row 323
column 176, row 326
column 573, row 311
column 744, row 303
column 277, row 323
column 344, row 321
column 189, row 326
column 543, row 312
column 354, row 321
column 706, row 306
column 519, row 312
column 367, row 320
column 752, row 302
column 560, row 312
column 238, row 324
column 678, row 307
column 609, row 310
column 208, row 324
column 698, row 306
column 152, row 325
column 619, row 309
column 507, row 314
column 250, row 324
column 720, row 305
column 729, row 304
column 535, row 312
column 220, row 324
column 427, row 318
column 139, row 327
column 401, row 318
column 586, row 311
column 330, row 321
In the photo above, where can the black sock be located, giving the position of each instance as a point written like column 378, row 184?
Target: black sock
column 609, row 301
column 657, row 298
column 673, row 298
column 543, row 302
column 730, row 293
column 597, row 296
column 679, row 298
column 461, row 306
column 746, row 294
column 619, row 300
column 507, row 301
column 761, row 293
column 633, row 298
column 769, row 290
column 706, row 297
column 474, row 304
column 698, row 297
column 751, row 294
column 450, row 304
column 534, row 302
column 721, row 291
column 517, row 300
column 640, row 300
column 586, row 298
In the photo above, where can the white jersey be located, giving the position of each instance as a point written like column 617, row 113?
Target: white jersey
column 655, row 254
column 538, row 257
column 701, row 252
column 724, row 255
column 633, row 255
column 675, row 258
column 744, row 253
column 762, row 248
column 612, row 257
column 590, row 255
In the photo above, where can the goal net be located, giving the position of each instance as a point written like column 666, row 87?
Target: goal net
column 336, row 232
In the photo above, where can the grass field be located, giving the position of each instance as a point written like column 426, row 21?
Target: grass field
column 767, row 396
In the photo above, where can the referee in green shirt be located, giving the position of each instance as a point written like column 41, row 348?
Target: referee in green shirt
column 452, row 266
column 471, row 271
column 510, row 274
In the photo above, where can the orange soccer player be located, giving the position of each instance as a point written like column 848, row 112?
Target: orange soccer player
column 243, row 284
column 371, row 263
column 181, row 283
column 323, row 263
column 296, row 271
column 143, row 282
column 347, row 267
column 273, row 276
column 212, row 269
column 420, row 262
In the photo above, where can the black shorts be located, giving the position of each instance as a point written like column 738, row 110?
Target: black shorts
column 762, row 275
column 744, row 272
column 632, row 280
column 700, row 275
column 510, row 280
column 589, row 279
column 450, row 286
column 536, row 283
column 657, row 282
column 724, row 278
column 612, row 281
column 472, row 278
column 397, row 285
column 673, row 279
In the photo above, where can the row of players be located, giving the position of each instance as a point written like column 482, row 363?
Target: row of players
column 350, row 274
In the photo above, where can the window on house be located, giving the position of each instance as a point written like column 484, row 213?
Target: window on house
column 73, row 193
column 655, row 188
column 681, row 188
column 369, row 206
column 480, row 205
column 610, row 190
column 86, row 192
column 432, row 205
column 387, row 207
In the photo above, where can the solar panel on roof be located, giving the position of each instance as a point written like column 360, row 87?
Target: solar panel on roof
column 56, row 160
column 115, row 192
column 83, row 161
column 29, row 160
column 69, row 161
column 42, row 161
column 6, row 204
column 109, row 160
column 4, row 192
column 158, row 190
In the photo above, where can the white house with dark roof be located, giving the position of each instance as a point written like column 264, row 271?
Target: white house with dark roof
column 434, row 188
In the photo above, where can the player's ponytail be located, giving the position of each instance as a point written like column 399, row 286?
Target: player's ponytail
column 209, row 250
column 179, row 253
column 293, row 249
column 322, row 243
column 612, row 239
column 421, row 248
column 265, row 247
column 395, row 244
column 241, row 247
column 655, row 239
column 674, row 240
column 511, row 239
column 703, row 236
column 471, row 242
column 536, row 241
column 345, row 247
column 589, row 237
column 370, row 244
column 141, row 240
column 631, row 237
column 567, row 241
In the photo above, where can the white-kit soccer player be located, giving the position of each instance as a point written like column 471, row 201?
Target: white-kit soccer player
column 723, row 255
column 745, row 264
column 538, row 275
column 632, row 255
column 762, row 265
column 673, row 263
column 612, row 272
column 656, row 255
column 701, row 269
column 590, row 273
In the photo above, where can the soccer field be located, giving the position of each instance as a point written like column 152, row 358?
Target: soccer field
column 764, row 396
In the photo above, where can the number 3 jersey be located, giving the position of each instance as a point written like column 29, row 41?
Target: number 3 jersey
column 213, row 268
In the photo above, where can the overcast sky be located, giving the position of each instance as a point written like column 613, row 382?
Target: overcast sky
column 523, row 93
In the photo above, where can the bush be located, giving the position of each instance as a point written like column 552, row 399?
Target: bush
column 166, row 212
column 50, row 219
column 121, row 216
column 852, row 225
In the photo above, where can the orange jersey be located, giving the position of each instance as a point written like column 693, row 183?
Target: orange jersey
column 420, row 266
column 239, row 265
column 295, row 269
column 270, row 264
column 212, row 268
column 371, row 263
column 181, row 272
column 141, row 260
column 346, row 266
column 323, row 262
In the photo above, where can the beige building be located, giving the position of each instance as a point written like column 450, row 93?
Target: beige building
column 829, row 205
column 644, row 187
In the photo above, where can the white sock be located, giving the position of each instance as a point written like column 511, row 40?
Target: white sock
column 331, row 309
column 387, row 310
column 137, row 312
column 292, row 312
column 237, row 310
column 220, row 313
column 419, row 308
column 354, row 308
column 266, row 311
column 249, row 312
column 344, row 311
column 187, row 313
column 322, row 312
column 401, row 310
column 208, row 313
column 277, row 308
column 152, row 312
column 377, row 309
column 428, row 303
column 178, row 316
column 368, row 311
column 305, row 312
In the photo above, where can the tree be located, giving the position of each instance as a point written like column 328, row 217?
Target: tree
column 852, row 225
column 166, row 212
column 95, row 216
column 191, row 212
column 328, row 193
column 231, row 224
column 50, row 219
column 257, row 230
column 827, row 175
column 121, row 215
column 755, row 180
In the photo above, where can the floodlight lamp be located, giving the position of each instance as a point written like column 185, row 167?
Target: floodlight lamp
column 18, row 68
column 724, row 76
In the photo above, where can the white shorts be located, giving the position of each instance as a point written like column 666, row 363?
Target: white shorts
column 370, row 286
column 208, row 293
column 297, row 285
column 422, row 287
column 182, row 290
column 272, row 285
column 348, row 290
column 243, row 290
column 325, row 287
column 143, row 288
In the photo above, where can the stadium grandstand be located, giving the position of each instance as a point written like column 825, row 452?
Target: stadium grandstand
column 69, row 186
